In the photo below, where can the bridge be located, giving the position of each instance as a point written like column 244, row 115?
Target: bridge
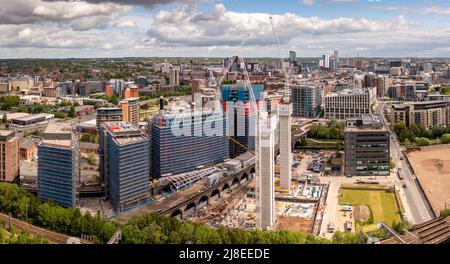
column 189, row 206
column 184, row 203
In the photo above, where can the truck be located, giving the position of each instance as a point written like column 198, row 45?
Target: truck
column 359, row 181
column 348, row 225
column 346, row 208
column 331, row 227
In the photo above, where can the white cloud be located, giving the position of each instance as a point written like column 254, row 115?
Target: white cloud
column 422, row 10
column 308, row 2
column 74, row 31
column 125, row 24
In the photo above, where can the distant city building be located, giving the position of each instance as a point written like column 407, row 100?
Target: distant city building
column 427, row 114
column 173, row 154
column 292, row 56
column 118, row 86
column 326, row 61
column 9, row 155
column 130, row 110
column 366, row 147
column 58, row 165
column 427, row 67
column 174, row 76
column 124, row 164
column 349, row 103
column 131, row 92
column 336, row 56
column 306, row 100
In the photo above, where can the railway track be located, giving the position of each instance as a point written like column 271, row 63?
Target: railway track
column 52, row 237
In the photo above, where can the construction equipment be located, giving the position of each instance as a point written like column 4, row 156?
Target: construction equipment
column 287, row 72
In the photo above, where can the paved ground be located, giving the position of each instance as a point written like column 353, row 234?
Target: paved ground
column 432, row 168
column 415, row 203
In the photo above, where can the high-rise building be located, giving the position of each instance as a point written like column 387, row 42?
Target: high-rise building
column 58, row 165
column 349, row 103
column 426, row 114
column 125, row 164
column 130, row 110
column 306, row 100
column 174, row 76
column 427, row 67
column 175, row 153
column 108, row 115
column 241, row 119
column 366, row 147
column 292, row 56
column 336, row 56
column 118, row 86
column 285, row 112
column 9, row 155
column 326, row 61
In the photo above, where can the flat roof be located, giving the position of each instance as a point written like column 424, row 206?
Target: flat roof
column 31, row 117
column 57, row 135
column 4, row 133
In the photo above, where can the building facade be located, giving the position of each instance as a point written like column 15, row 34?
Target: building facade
column 306, row 100
column 427, row 114
column 125, row 164
column 9, row 156
column 174, row 154
column 367, row 151
column 130, row 110
column 58, row 165
column 349, row 103
column 108, row 115
column 241, row 118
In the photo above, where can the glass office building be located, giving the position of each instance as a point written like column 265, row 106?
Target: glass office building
column 58, row 166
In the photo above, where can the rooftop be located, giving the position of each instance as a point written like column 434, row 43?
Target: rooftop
column 349, row 92
column 365, row 123
column 59, row 135
column 4, row 133
column 124, row 132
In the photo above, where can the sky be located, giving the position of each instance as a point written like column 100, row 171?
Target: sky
column 223, row 28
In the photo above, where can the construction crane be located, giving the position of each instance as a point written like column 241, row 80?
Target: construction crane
column 286, row 72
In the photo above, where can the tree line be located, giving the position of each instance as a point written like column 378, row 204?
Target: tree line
column 421, row 136
column 145, row 229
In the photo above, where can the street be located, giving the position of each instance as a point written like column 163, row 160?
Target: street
column 419, row 210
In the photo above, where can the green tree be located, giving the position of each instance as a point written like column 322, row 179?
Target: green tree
column 71, row 113
column 445, row 139
column 423, row 141
column 4, row 119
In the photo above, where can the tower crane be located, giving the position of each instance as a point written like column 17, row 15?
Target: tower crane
column 287, row 72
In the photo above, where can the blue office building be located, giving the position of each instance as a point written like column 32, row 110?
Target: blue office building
column 241, row 118
column 173, row 154
column 126, row 162
column 58, row 166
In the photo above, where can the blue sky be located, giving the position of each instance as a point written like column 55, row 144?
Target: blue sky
column 116, row 28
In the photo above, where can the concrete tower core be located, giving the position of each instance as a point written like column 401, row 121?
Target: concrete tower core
column 267, row 179
column 285, row 112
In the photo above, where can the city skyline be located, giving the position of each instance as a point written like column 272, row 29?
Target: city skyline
column 203, row 28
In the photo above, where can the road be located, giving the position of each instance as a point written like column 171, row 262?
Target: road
column 419, row 210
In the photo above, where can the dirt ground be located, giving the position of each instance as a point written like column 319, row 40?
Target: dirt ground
column 432, row 168
column 362, row 212
column 294, row 224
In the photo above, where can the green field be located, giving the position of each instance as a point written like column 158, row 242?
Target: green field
column 382, row 204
